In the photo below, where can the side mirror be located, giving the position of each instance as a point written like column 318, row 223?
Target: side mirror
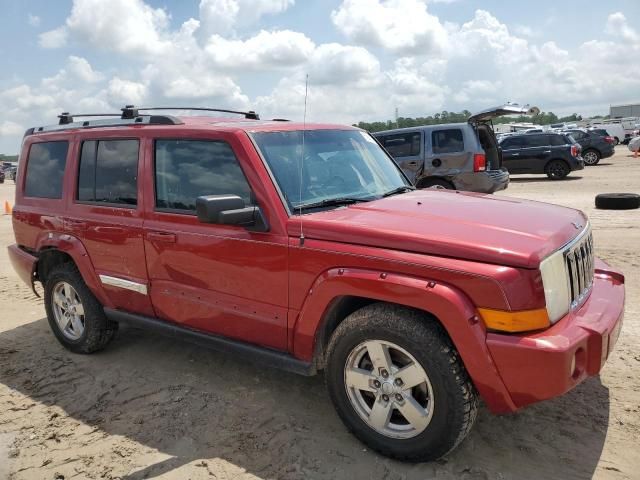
column 230, row 210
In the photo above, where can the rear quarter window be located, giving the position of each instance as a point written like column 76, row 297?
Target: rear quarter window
column 558, row 140
column 447, row 141
column 45, row 169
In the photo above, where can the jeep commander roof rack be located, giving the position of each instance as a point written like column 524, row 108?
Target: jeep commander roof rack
column 131, row 111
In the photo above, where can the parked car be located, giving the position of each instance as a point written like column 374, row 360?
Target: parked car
column 613, row 130
column 594, row 146
column 460, row 156
column 2, row 176
column 305, row 247
column 553, row 154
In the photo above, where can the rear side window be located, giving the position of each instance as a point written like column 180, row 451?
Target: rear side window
column 45, row 169
column 109, row 172
column 578, row 135
column 402, row 145
column 558, row 140
column 188, row 169
column 447, row 141
column 535, row 141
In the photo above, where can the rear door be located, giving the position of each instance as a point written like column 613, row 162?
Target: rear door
column 535, row 153
column 407, row 148
column 105, row 212
column 446, row 153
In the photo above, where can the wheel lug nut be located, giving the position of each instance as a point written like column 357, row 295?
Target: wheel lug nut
column 376, row 383
column 398, row 382
column 385, row 398
column 384, row 373
column 398, row 397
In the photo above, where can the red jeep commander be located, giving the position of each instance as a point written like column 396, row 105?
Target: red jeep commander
column 306, row 248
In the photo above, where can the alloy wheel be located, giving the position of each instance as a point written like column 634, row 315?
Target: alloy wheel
column 389, row 389
column 68, row 310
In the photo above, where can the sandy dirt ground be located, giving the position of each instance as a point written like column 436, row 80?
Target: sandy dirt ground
column 148, row 407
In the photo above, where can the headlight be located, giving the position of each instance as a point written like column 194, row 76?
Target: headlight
column 556, row 286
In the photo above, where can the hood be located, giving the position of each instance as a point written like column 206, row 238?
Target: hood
column 507, row 109
column 485, row 228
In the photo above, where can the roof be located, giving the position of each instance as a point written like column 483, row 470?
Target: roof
column 421, row 127
column 186, row 122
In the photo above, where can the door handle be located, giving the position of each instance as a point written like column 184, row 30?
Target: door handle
column 515, row 154
column 547, row 151
column 165, row 237
column 412, row 164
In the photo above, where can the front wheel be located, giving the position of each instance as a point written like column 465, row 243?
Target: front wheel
column 557, row 169
column 398, row 383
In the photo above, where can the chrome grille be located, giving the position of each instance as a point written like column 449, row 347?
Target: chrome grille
column 578, row 257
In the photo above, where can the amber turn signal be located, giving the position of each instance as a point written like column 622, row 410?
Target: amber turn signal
column 520, row 321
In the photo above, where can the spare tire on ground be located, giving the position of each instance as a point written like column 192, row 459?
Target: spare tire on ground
column 617, row 201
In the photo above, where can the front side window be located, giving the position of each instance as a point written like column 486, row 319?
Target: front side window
column 108, row 172
column 188, row 169
column 402, row 145
column 45, row 169
column 447, row 141
column 332, row 165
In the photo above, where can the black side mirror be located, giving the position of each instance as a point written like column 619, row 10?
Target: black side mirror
column 230, row 210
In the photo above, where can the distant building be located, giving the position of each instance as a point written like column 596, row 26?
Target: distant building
column 622, row 111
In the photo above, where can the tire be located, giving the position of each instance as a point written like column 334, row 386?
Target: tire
column 447, row 401
column 87, row 332
column 557, row 169
column 617, row 201
column 591, row 157
column 436, row 183
column 616, row 141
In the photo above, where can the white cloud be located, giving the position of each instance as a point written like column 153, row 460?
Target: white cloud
column 125, row 92
column 33, row 20
column 126, row 26
column 617, row 25
column 55, row 38
column 403, row 26
column 265, row 50
column 335, row 64
column 222, row 16
column 9, row 128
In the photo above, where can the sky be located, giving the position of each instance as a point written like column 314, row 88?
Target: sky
column 364, row 58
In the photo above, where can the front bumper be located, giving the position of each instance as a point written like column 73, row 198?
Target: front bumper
column 542, row 365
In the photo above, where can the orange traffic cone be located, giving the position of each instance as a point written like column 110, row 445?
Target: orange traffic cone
column 7, row 208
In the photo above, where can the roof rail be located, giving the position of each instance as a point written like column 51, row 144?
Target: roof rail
column 67, row 122
column 67, row 118
column 131, row 111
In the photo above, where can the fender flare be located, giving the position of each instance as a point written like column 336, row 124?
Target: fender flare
column 451, row 307
column 73, row 247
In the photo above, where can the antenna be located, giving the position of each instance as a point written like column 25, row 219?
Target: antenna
column 304, row 129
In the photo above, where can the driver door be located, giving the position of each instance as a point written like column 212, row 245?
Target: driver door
column 221, row 279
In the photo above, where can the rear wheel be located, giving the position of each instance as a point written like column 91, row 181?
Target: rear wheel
column 398, row 383
column 436, row 183
column 75, row 315
column 616, row 141
column 591, row 157
column 557, row 169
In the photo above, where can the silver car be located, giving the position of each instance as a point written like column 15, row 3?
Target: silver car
column 460, row 156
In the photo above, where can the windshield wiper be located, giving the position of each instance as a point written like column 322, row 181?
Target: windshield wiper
column 330, row 202
column 396, row 191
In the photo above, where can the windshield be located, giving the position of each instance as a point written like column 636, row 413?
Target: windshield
column 338, row 165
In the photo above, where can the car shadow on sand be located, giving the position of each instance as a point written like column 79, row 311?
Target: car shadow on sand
column 540, row 178
column 202, row 408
